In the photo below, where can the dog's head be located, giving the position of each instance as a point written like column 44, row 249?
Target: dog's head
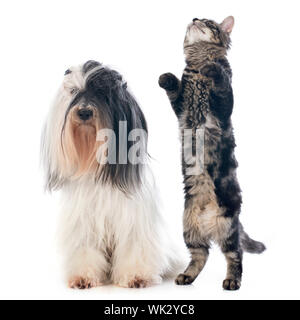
column 92, row 99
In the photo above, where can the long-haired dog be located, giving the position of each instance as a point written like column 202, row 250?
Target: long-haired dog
column 111, row 228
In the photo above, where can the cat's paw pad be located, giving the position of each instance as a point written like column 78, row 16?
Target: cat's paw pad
column 168, row 81
column 231, row 284
column 211, row 71
column 83, row 283
column 184, row 280
column 138, row 283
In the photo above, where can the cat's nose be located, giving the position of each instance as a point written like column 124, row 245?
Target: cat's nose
column 195, row 19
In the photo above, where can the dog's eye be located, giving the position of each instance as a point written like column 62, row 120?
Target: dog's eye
column 68, row 72
column 73, row 90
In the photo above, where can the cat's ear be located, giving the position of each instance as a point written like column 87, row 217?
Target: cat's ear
column 227, row 24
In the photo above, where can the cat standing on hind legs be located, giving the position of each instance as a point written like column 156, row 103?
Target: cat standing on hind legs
column 203, row 100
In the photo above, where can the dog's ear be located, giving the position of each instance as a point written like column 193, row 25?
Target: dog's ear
column 129, row 125
column 54, row 180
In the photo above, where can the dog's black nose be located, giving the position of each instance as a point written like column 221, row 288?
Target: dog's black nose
column 195, row 19
column 85, row 114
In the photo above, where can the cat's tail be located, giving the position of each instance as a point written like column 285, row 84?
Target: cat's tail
column 250, row 245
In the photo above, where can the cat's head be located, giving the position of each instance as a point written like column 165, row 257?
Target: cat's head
column 208, row 31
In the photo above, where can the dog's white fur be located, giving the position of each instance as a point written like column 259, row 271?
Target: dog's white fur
column 98, row 221
column 106, row 234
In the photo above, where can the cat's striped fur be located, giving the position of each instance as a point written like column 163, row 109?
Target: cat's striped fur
column 203, row 99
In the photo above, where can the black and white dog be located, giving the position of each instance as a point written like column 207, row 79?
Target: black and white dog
column 111, row 228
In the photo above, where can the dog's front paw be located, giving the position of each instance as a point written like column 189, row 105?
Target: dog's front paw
column 231, row 284
column 138, row 283
column 83, row 283
column 211, row 70
column 168, row 81
column 184, row 280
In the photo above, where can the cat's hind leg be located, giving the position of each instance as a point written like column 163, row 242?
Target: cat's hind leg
column 199, row 251
column 200, row 210
column 229, row 196
column 234, row 256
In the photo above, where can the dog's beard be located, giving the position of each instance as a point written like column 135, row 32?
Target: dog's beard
column 85, row 142
column 79, row 142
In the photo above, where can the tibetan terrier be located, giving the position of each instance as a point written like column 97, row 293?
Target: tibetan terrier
column 94, row 149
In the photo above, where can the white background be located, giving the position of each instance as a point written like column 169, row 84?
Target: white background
column 41, row 39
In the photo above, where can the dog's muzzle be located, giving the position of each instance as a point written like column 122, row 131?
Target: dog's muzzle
column 85, row 114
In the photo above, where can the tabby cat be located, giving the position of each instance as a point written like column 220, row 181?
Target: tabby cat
column 203, row 99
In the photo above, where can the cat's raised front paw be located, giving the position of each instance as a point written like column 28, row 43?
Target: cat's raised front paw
column 231, row 284
column 168, row 81
column 211, row 70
